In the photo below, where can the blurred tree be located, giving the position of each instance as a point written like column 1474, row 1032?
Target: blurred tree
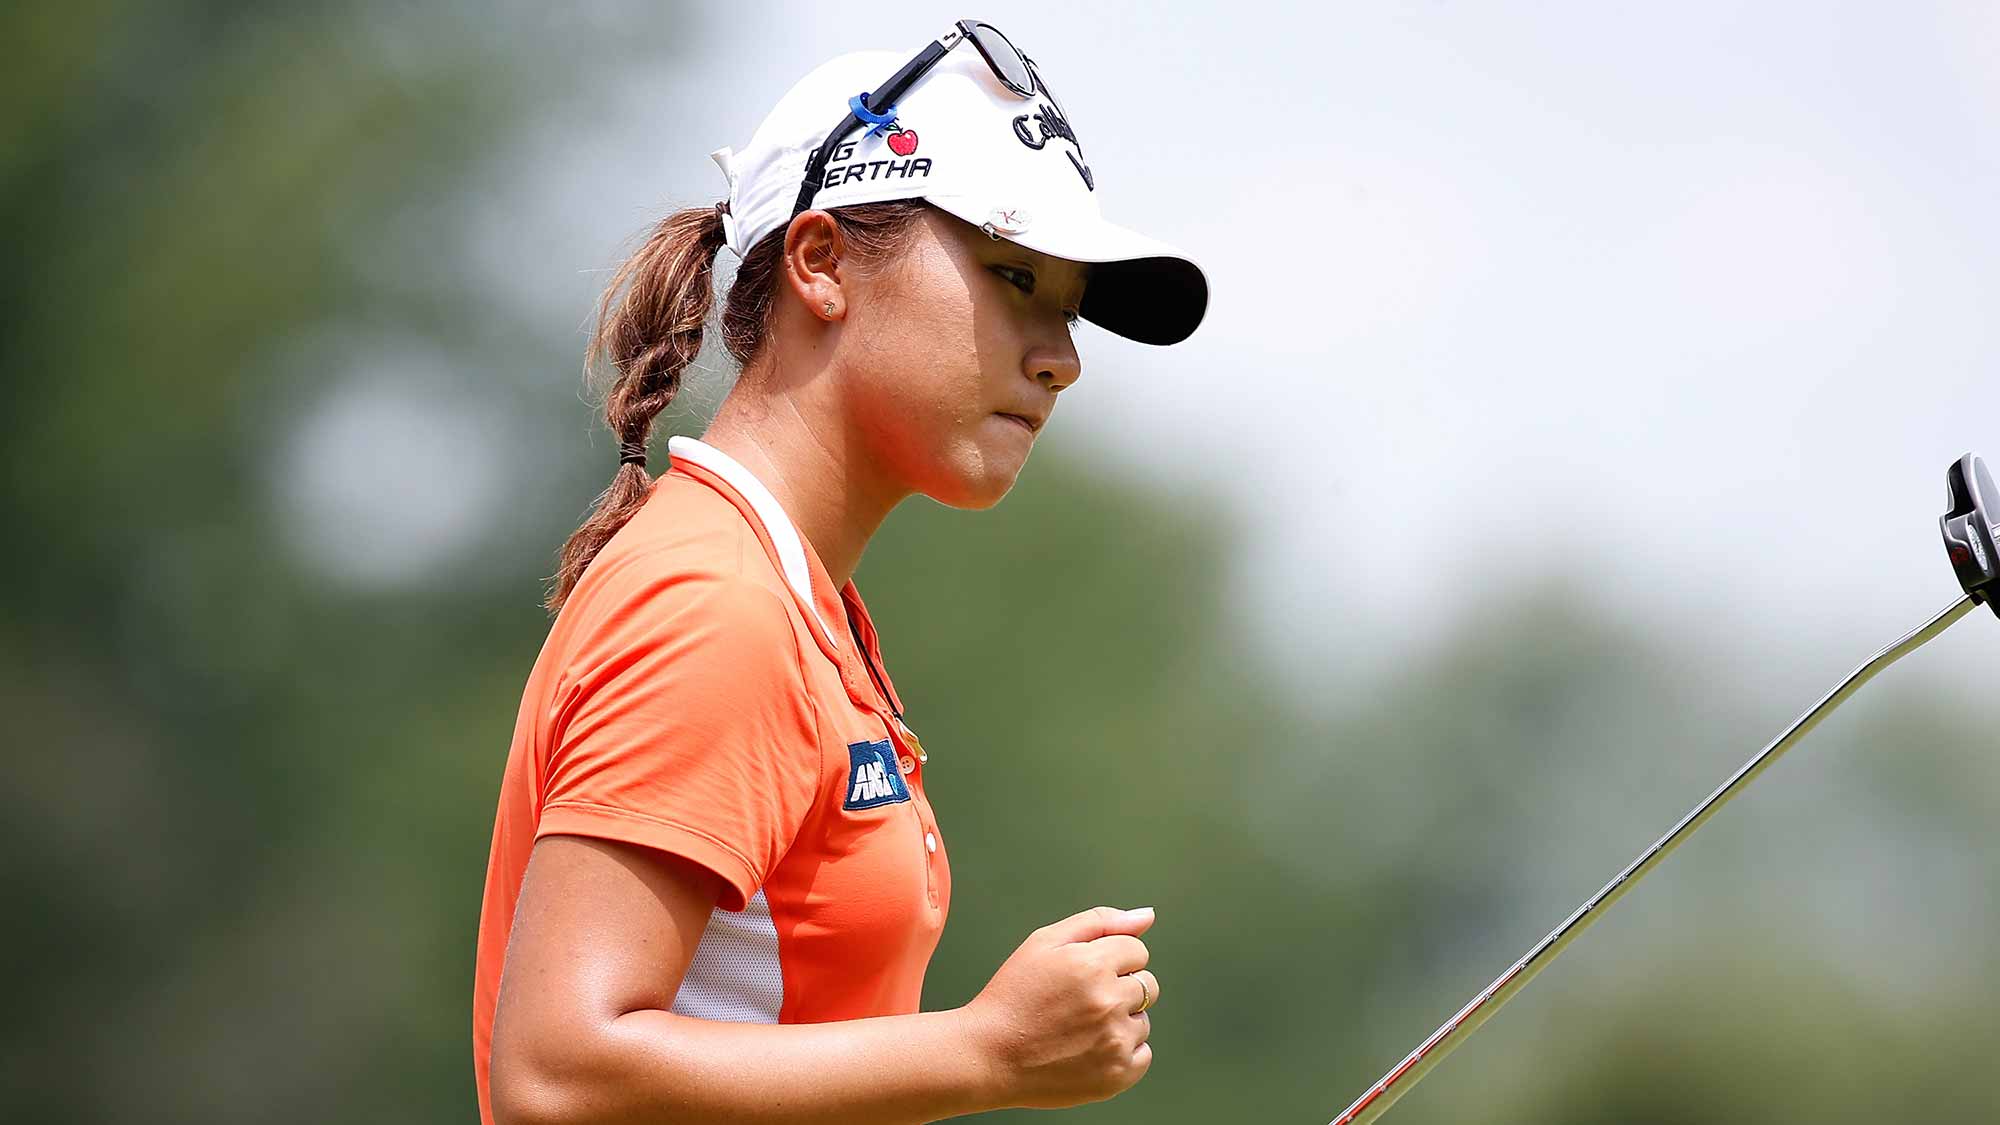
column 246, row 898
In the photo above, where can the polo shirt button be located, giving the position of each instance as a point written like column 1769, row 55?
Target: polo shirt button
column 908, row 763
column 930, row 842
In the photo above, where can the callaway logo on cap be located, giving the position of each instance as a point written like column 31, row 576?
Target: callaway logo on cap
column 957, row 130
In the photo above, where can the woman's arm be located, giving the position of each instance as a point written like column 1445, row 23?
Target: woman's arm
column 603, row 934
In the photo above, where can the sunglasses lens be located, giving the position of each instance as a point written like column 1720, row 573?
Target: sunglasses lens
column 1005, row 60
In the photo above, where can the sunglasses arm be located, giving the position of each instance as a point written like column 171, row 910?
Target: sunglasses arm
column 880, row 98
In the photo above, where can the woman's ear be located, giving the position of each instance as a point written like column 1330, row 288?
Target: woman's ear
column 813, row 247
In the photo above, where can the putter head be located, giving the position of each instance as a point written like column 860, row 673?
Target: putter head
column 1972, row 529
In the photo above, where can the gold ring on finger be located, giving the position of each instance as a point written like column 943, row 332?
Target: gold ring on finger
column 1145, row 994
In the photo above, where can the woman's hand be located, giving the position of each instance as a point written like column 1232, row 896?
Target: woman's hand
column 1057, row 1021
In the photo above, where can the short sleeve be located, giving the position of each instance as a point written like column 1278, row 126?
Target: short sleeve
column 684, row 725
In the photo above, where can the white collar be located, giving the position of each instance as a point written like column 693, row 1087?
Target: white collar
column 791, row 549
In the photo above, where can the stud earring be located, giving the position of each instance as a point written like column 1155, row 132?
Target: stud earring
column 829, row 308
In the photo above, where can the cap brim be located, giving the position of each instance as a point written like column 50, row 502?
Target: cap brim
column 1140, row 288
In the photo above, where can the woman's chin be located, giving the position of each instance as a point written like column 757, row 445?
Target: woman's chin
column 979, row 486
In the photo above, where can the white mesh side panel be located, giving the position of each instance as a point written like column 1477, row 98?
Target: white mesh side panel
column 735, row 975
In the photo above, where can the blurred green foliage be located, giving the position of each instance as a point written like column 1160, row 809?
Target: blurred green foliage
column 248, row 801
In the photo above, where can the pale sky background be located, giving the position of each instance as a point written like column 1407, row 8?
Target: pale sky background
column 1693, row 303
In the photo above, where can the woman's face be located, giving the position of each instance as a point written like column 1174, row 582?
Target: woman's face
column 953, row 356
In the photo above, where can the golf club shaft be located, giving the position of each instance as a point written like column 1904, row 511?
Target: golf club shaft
column 1393, row 1085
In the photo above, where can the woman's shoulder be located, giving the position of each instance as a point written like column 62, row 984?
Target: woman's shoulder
column 686, row 518
column 686, row 549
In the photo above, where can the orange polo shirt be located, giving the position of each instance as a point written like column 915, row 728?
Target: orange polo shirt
column 707, row 692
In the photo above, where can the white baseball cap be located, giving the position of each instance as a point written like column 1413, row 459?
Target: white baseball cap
column 966, row 143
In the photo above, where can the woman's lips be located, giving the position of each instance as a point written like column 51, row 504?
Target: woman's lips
column 1021, row 422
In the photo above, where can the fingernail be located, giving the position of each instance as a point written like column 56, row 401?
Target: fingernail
column 1141, row 912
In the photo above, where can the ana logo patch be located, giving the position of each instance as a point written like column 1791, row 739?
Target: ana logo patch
column 903, row 142
column 873, row 776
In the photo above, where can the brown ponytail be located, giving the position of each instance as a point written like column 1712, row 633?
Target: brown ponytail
column 649, row 326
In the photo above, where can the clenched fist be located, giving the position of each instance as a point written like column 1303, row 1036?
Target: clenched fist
column 1062, row 1021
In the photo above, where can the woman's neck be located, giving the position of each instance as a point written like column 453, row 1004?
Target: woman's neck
column 830, row 493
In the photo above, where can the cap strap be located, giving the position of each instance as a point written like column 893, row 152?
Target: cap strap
column 725, row 159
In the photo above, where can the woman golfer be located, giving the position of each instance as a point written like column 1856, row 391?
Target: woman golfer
column 715, row 879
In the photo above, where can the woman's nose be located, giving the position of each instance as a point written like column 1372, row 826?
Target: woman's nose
column 1055, row 365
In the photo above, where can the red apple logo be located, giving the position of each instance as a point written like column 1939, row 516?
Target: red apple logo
column 903, row 142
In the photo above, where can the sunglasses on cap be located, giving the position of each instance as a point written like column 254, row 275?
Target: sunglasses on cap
column 1015, row 71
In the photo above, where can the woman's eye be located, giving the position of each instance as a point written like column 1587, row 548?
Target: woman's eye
column 1024, row 280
